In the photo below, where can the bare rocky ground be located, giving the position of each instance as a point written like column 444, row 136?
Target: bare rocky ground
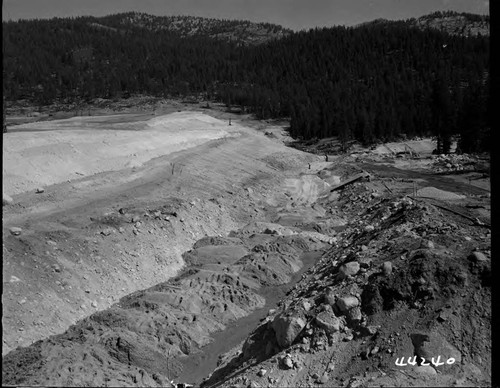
column 408, row 278
column 252, row 266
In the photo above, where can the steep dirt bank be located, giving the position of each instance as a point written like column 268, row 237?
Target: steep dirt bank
column 86, row 243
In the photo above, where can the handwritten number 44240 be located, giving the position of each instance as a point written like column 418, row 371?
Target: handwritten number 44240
column 438, row 362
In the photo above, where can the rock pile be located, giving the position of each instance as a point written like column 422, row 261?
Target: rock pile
column 454, row 163
column 368, row 295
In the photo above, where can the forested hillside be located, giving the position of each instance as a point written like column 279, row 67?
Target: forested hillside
column 373, row 82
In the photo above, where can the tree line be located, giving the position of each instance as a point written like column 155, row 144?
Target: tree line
column 371, row 83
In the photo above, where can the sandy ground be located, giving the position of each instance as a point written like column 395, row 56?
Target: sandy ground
column 44, row 153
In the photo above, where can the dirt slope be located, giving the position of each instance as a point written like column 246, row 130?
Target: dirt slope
column 87, row 242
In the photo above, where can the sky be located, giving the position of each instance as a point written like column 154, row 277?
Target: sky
column 294, row 14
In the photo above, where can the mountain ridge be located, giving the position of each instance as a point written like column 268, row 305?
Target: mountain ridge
column 240, row 31
column 453, row 23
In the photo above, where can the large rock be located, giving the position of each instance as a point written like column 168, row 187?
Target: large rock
column 477, row 257
column 347, row 302
column 287, row 363
column 287, row 328
column 15, row 231
column 387, row 268
column 330, row 298
column 433, row 344
column 354, row 314
column 425, row 370
column 349, row 269
column 324, row 378
column 328, row 321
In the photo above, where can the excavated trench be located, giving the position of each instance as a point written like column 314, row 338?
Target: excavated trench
column 177, row 330
column 200, row 365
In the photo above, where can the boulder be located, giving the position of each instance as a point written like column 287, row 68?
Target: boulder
column 287, row 363
column 433, row 344
column 287, row 328
column 348, row 337
column 330, row 297
column 349, row 269
column 354, row 314
column 370, row 330
column 334, row 197
column 306, row 305
column 15, row 231
column 387, row 268
column 425, row 370
column 478, row 257
column 347, row 302
column 328, row 321
column 324, row 378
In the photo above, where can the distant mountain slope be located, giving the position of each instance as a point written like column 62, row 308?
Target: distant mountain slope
column 453, row 23
column 240, row 31
column 461, row 24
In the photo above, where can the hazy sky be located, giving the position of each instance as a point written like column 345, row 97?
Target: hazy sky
column 294, row 14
